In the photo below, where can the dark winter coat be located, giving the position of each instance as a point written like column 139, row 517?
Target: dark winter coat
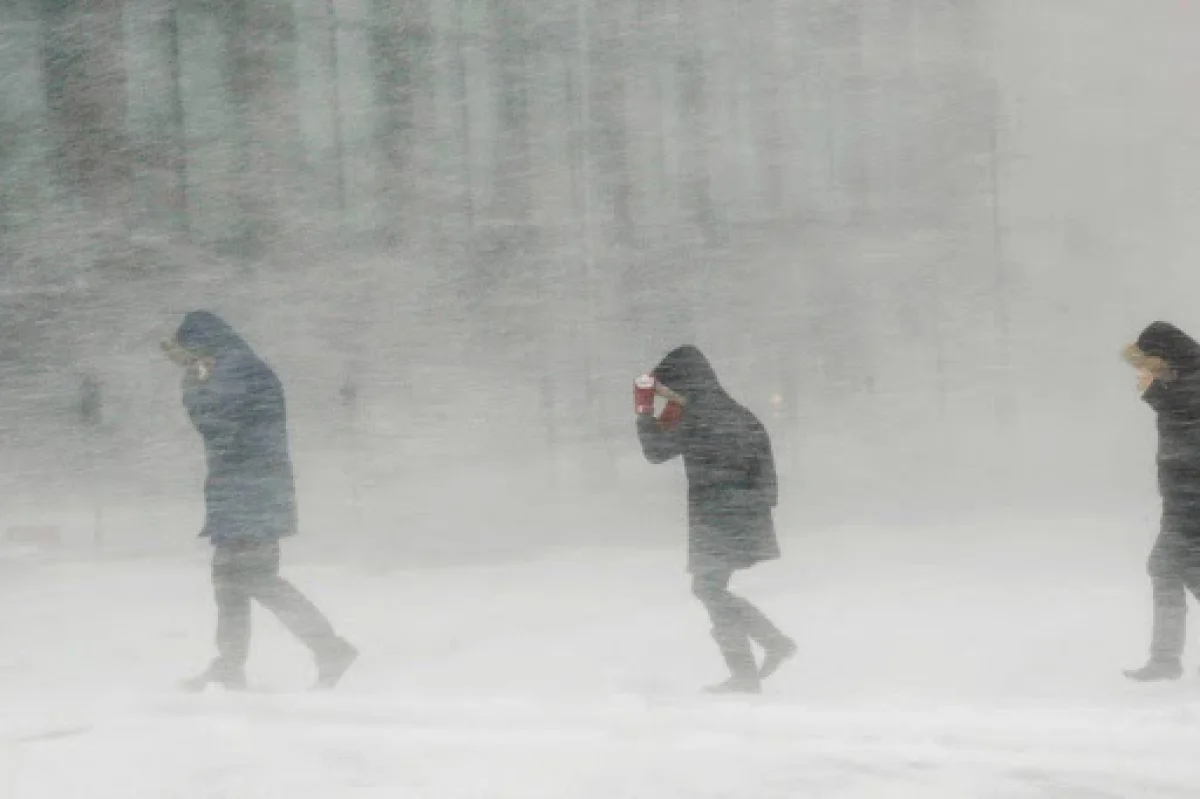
column 239, row 411
column 1176, row 401
column 730, row 468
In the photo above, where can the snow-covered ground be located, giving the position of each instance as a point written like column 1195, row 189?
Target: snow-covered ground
column 968, row 661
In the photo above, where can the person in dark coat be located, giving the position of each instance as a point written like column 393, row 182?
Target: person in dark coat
column 1168, row 365
column 732, row 490
column 236, row 403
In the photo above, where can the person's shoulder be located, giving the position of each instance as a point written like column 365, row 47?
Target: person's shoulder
column 246, row 360
column 749, row 419
column 246, row 368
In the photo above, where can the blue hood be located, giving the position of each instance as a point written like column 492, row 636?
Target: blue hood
column 205, row 333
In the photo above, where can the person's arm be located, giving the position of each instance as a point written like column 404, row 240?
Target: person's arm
column 658, row 445
column 236, row 406
column 660, row 442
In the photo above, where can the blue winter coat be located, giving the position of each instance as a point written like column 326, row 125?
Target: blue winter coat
column 240, row 413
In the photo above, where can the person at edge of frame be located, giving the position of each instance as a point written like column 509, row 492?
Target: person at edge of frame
column 1167, row 361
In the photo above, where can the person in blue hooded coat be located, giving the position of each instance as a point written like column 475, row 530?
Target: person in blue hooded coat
column 732, row 489
column 1168, row 365
column 236, row 403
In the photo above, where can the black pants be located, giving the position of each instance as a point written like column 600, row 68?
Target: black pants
column 242, row 571
column 1174, row 571
column 735, row 621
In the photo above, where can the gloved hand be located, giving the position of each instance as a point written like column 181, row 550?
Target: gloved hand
column 671, row 416
column 643, row 395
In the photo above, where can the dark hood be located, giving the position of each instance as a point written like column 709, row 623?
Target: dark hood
column 1178, row 349
column 685, row 370
column 208, row 334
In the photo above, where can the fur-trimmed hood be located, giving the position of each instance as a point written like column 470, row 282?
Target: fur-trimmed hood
column 1166, row 341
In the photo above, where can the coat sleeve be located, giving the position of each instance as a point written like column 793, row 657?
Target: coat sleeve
column 209, row 411
column 234, row 411
column 658, row 445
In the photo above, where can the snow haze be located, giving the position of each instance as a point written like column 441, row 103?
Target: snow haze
column 911, row 236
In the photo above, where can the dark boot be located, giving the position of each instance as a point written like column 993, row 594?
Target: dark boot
column 231, row 679
column 334, row 662
column 736, row 685
column 739, row 657
column 776, row 646
column 1157, row 671
column 776, row 653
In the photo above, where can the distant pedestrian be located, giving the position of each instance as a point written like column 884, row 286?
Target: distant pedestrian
column 732, row 490
column 237, row 405
column 1168, row 365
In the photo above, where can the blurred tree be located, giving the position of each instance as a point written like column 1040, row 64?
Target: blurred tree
column 511, row 47
column 462, row 41
column 91, row 403
column 260, row 37
column 691, row 67
column 401, row 43
column 610, row 59
column 170, row 22
column 83, row 68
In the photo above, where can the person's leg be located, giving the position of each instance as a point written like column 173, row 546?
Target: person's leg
column 728, row 630
column 1189, row 568
column 231, row 581
column 711, row 587
column 233, row 631
column 1189, row 564
column 777, row 647
column 1170, row 619
column 1166, row 568
column 302, row 619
